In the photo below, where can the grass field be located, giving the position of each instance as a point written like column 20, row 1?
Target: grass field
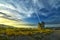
column 12, row 33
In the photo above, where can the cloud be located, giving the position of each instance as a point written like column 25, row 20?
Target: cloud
column 21, row 9
column 7, row 6
column 16, row 9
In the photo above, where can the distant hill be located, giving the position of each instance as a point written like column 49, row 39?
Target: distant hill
column 5, row 26
column 54, row 28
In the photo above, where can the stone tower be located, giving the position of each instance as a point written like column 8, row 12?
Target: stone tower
column 41, row 25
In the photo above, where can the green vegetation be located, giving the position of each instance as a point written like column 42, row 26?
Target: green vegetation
column 8, row 31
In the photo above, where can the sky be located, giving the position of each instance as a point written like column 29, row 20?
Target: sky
column 31, row 11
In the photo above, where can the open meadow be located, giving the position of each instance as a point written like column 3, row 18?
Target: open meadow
column 11, row 33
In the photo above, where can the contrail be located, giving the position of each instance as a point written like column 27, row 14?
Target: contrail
column 36, row 10
column 37, row 16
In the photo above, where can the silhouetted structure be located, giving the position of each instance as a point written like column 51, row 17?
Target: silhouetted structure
column 41, row 25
